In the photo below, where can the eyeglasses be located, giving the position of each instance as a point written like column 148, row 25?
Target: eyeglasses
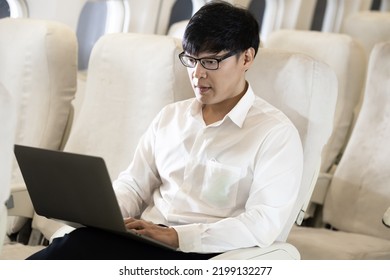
column 209, row 63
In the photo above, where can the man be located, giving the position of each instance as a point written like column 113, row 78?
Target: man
column 215, row 173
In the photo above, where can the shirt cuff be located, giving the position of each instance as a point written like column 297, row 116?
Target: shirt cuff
column 190, row 237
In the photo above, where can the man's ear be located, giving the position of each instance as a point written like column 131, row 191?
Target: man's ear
column 249, row 56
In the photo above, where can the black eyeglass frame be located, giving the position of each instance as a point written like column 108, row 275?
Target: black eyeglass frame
column 218, row 60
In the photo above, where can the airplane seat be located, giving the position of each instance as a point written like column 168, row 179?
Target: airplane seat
column 8, row 107
column 359, row 192
column 368, row 27
column 305, row 89
column 177, row 29
column 130, row 78
column 346, row 57
column 39, row 63
column 124, row 80
column 96, row 19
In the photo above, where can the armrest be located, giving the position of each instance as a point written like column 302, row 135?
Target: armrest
column 19, row 204
column 318, row 195
column 50, row 228
column 321, row 188
column 61, row 232
column 276, row 251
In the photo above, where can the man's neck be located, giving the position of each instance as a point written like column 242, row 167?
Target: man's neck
column 215, row 112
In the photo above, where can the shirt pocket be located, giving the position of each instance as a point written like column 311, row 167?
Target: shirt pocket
column 220, row 185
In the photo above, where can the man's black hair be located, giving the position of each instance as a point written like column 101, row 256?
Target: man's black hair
column 219, row 26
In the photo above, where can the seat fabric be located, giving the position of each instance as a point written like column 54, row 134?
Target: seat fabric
column 305, row 89
column 325, row 244
column 349, row 64
column 359, row 192
column 8, row 108
column 368, row 27
column 39, row 69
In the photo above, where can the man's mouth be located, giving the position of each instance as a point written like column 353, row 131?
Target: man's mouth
column 202, row 89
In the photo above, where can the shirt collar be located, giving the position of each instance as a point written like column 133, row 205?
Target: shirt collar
column 237, row 114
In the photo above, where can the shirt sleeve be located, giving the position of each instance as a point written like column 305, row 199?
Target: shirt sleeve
column 276, row 182
column 134, row 186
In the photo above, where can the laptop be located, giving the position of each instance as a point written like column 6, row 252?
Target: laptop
column 75, row 188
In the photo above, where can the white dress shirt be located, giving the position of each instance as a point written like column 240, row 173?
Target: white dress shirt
column 223, row 186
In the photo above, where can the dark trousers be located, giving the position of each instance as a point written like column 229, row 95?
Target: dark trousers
column 93, row 244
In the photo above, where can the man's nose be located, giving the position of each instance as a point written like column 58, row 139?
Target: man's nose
column 199, row 70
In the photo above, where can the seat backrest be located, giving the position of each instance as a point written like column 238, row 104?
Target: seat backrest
column 305, row 89
column 368, row 27
column 7, row 133
column 359, row 193
column 130, row 78
column 38, row 67
column 346, row 57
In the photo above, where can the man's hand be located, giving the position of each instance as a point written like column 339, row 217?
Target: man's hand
column 164, row 234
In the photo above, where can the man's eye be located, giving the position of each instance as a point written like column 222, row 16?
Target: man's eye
column 209, row 62
column 191, row 60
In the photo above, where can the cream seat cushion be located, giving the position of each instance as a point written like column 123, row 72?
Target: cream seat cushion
column 324, row 244
column 38, row 67
column 368, row 27
column 359, row 192
column 346, row 57
column 7, row 133
column 131, row 77
column 305, row 89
